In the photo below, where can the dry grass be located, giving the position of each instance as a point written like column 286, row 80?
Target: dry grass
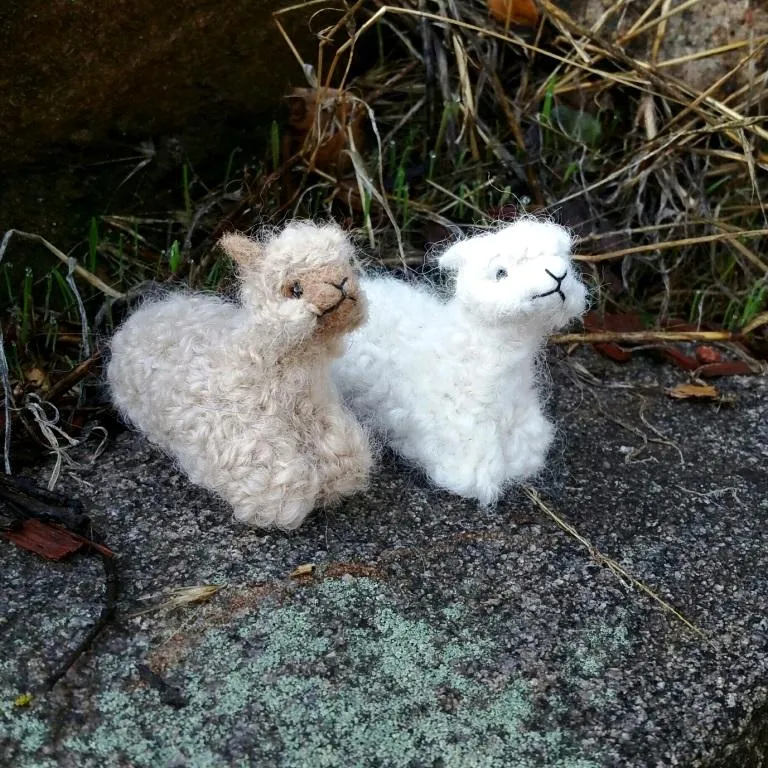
column 621, row 573
column 181, row 597
column 475, row 122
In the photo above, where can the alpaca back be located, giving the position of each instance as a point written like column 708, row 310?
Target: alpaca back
column 167, row 358
column 417, row 368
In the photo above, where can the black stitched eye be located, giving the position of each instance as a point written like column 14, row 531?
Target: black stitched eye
column 501, row 273
column 296, row 290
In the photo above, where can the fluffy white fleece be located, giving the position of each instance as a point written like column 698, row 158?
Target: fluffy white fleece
column 450, row 384
column 240, row 395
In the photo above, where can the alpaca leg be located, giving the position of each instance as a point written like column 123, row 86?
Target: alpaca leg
column 281, row 500
column 344, row 459
column 526, row 447
column 284, row 513
column 462, row 462
column 468, row 479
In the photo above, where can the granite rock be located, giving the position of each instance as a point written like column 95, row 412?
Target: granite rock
column 431, row 632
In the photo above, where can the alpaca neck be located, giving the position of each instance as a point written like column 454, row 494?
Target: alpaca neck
column 496, row 353
column 298, row 365
column 261, row 336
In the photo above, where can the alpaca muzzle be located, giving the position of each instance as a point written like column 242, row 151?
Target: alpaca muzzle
column 557, row 289
column 332, row 295
column 342, row 297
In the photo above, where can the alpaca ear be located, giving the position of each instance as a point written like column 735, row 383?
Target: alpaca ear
column 241, row 249
column 456, row 256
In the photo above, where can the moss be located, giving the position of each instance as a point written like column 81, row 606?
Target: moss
column 595, row 651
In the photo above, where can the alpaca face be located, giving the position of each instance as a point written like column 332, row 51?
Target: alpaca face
column 330, row 295
column 522, row 275
column 305, row 278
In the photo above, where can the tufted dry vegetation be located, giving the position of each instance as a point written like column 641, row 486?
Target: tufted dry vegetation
column 470, row 119
column 418, row 117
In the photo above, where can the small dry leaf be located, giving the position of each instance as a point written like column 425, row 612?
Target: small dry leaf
column 188, row 595
column 679, row 358
column 614, row 352
column 621, row 323
column 37, row 377
column 179, row 597
column 694, row 392
column 726, row 368
column 706, row 354
column 508, row 12
column 308, row 569
column 45, row 539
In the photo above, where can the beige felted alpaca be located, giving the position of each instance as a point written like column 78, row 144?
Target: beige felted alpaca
column 240, row 394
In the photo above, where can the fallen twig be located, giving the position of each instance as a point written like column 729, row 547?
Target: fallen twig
column 643, row 337
column 75, row 376
column 111, row 592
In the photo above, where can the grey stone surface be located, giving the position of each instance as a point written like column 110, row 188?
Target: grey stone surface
column 434, row 632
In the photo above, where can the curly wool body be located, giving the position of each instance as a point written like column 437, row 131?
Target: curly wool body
column 240, row 394
column 451, row 384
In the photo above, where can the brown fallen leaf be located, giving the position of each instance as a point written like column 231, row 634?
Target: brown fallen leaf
column 679, row 358
column 621, row 323
column 320, row 124
column 50, row 540
column 694, row 392
column 508, row 12
column 614, row 352
column 45, row 539
column 706, row 354
column 726, row 368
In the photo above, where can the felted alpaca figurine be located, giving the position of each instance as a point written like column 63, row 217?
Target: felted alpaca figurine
column 451, row 384
column 240, row 394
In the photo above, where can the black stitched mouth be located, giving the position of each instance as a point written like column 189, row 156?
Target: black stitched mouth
column 556, row 289
column 333, row 307
column 344, row 295
column 343, row 290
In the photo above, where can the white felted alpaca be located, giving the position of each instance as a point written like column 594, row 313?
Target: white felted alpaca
column 240, row 395
column 451, row 385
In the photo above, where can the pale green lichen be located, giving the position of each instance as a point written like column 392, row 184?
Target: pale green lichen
column 454, row 612
column 20, row 725
column 278, row 686
column 594, row 651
